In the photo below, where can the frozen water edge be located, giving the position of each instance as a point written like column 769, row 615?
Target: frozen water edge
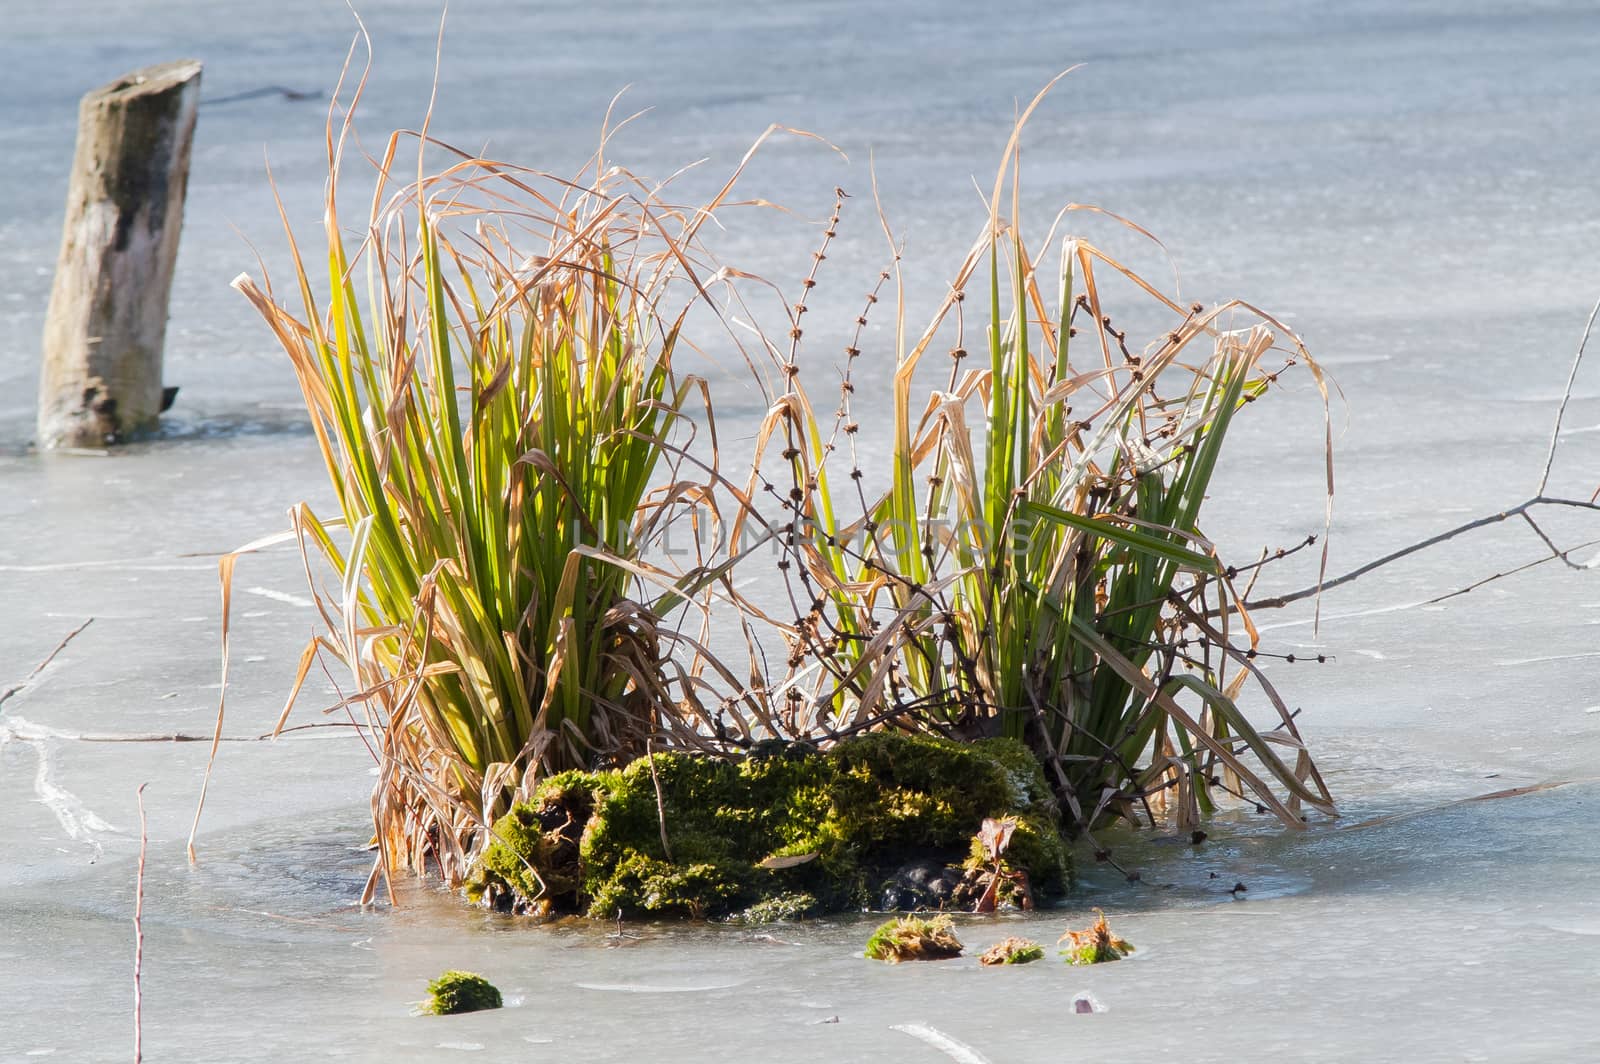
column 1394, row 943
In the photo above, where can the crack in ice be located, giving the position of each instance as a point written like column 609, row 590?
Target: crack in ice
column 77, row 820
column 950, row 1047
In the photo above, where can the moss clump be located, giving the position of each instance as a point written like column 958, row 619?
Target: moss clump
column 796, row 905
column 912, row 938
column 457, row 991
column 1095, row 944
column 535, row 857
column 639, row 883
column 788, row 820
column 1012, row 951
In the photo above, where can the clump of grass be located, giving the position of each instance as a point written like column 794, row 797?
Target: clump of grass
column 457, row 991
column 1012, row 950
column 490, row 379
column 1036, row 566
column 504, row 431
column 1095, row 944
column 914, row 938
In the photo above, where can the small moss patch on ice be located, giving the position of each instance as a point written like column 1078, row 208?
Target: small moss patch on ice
column 1012, row 950
column 1095, row 944
column 456, row 991
column 913, row 938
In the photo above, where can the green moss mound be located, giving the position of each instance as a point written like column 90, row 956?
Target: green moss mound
column 788, row 906
column 824, row 830
column 1095, row 944
column 1012, row 951
column 912, row 938
column 455, row 992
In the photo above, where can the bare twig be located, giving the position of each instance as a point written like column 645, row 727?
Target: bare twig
column 1514, row 571
column 1539, row 498
column 138, row 937
column 1518, row 510
column 1555, row 551
column 293, row 95
column 1513, row 792
column 661, row 802
column 1566, row 397
column 37, row 669
column 190, row 737
column 1268, row 557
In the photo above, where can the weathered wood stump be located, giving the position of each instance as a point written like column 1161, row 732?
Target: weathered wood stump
column 101, row 376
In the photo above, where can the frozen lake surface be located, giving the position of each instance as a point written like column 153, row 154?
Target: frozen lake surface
column 1414, row 188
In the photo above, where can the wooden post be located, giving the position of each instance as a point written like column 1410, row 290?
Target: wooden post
column 101, row 376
